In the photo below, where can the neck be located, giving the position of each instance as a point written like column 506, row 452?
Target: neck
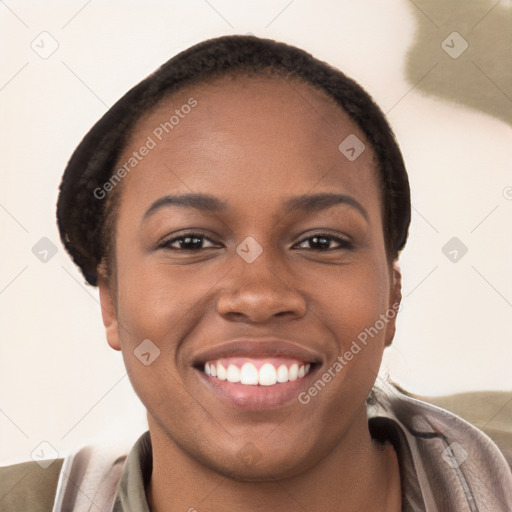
column 356, row 475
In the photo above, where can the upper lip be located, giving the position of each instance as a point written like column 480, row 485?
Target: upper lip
column 257, row 347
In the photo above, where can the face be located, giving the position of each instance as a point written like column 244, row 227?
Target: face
column 270, row 267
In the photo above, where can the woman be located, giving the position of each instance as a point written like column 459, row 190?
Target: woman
column 242, row 211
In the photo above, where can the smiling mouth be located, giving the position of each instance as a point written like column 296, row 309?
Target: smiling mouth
column 257, row 371
column 259, row 374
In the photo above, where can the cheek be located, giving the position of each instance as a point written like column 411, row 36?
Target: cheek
column 162, row 305
column 151, row 318
column 351, row 310
column 352, row 297
column 351, row 305
column 149, row 307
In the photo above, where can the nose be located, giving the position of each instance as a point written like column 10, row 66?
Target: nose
column 258, row 292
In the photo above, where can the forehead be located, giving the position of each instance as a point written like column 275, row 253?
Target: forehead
column 263, row 136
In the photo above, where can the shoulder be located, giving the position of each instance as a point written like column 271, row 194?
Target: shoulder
column 458, row 448
column 489, row 411
column 28, row 486
column 85, row 476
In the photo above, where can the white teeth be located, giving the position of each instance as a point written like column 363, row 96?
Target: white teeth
column 233, row 373
column 282, row 373
column 221, row 372
column 293, row 372
column 268, row 375
column 249, row 374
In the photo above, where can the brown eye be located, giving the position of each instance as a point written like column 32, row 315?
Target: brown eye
column 188, row 242
column 323, row 242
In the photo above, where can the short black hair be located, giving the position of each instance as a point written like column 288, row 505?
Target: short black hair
column 82, row 217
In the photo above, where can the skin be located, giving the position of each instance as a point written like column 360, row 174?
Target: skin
column 254, row 143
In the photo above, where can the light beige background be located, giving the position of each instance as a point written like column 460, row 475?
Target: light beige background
column 59, row 380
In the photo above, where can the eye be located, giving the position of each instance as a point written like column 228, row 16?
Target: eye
column 196, row 241
column 188, row 242
column 323, row 241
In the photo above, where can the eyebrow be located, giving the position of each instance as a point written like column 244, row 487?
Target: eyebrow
column 211, row 204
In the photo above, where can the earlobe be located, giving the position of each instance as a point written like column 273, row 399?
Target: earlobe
column 108, row 312
column 394, row 302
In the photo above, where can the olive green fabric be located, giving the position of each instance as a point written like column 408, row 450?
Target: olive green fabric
column 27, row 487
column 461, row 53
column 131, row 495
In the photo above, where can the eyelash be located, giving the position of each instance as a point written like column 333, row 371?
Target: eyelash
column 343, row 243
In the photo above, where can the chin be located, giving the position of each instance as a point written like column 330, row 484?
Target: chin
column 251, row 465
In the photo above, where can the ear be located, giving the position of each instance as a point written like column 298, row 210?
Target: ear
column 108, row 312
column 395, row 298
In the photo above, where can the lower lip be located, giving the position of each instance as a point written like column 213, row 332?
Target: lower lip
column 256, row 398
